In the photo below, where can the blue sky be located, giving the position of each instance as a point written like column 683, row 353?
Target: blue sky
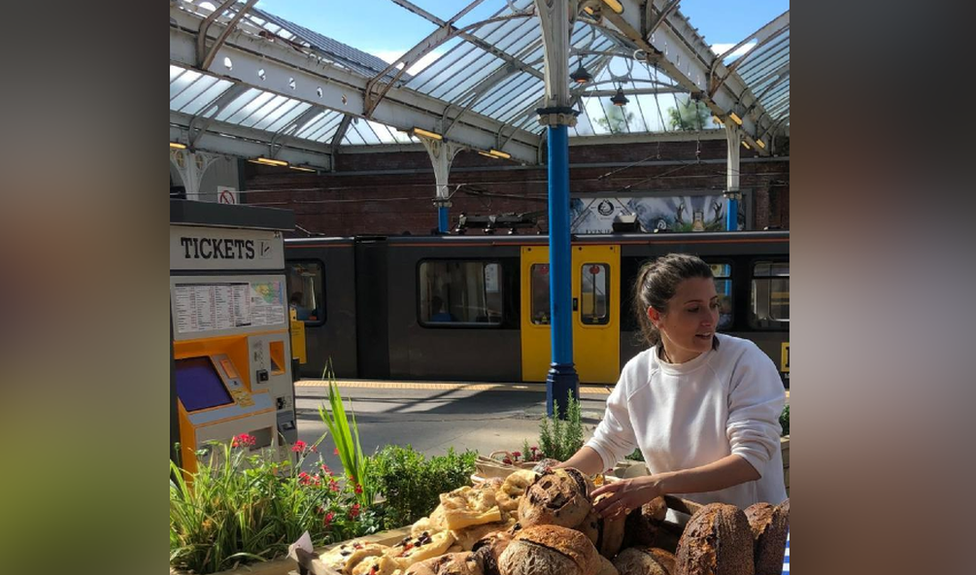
column 387, row 30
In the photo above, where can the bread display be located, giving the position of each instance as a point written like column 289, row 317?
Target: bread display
column 468, row 536
column 716, row 541
column 557, row 497
column 644, row 561
column 449, row 564
column 467, row 506
column 549, row 550
column 769, row 527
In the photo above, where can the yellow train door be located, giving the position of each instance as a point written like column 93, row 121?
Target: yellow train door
column 596, row 325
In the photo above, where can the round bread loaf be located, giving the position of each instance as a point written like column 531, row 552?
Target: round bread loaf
column 769, row 526
column 549, row 550
column 644, row 561
column 716, row 541
column 449, row 564
column 642, row 525
column 557, row 497
column 489, row 549
column 606, row 567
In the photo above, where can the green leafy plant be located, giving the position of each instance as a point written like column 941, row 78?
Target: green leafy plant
column 242, row 506
column 784, row 421
column 560, row 438
column 412, row 484
column 345, row 436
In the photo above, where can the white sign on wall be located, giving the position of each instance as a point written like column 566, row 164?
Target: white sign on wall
column 226, row 195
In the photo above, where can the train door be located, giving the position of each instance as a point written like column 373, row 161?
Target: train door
column 596, row 325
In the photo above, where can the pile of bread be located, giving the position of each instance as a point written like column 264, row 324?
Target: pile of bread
column 545, row 524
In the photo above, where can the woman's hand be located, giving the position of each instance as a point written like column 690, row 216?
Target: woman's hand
column 626, row 495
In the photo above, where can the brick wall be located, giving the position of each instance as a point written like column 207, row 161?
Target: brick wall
column 391, row 192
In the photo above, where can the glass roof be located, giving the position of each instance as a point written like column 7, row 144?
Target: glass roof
column 494, row 67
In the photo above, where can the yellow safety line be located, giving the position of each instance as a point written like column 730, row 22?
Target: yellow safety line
column 446, row 386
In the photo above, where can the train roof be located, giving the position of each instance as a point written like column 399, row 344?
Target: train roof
column 615, row 238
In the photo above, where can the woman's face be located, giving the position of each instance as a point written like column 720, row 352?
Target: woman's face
column 688, row 325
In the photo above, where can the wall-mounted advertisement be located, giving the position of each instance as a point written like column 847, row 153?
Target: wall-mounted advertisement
column 691, row 213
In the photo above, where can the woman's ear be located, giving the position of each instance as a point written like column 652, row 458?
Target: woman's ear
column 654, row 316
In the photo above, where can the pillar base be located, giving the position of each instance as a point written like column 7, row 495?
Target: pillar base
column 561, row 379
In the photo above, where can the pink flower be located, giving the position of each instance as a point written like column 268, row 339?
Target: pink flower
column 358, row 489
column 243, row 440
column 354, row 512
column 299, row 446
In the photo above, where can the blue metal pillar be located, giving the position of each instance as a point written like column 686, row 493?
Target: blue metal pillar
column 732, row 214
column 443, row 222
column 562, row 377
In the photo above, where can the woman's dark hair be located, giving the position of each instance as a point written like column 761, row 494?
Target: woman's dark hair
column 656, row 283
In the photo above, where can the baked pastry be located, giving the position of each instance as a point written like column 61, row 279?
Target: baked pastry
column 467, row 506
column 377, row 565
column 412, row 549
column 549, row 550
column 513, row 488
column 344, row 558
column 468, row 536
column 558, row 497
column 451, row 564
column 716, row 541
column 769, row 526
column 644, row 561
column 611, row 532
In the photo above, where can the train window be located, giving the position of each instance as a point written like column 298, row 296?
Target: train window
column 305, row 291
column 594, row 294
column 770, row 295
column 723, row 287
column 460, row 292
column 539, row 286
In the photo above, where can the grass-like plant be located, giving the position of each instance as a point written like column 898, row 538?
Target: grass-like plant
column 345, row 436
column 560, row 438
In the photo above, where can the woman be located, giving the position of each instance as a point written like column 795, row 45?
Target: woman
column 702, row 407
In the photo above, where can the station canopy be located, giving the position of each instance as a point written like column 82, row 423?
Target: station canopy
column 261, row 85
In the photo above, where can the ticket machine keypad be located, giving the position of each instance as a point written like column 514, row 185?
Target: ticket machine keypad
column 237, row 390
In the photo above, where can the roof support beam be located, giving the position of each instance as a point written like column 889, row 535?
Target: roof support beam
column 376, row 88
column 196, row 129
column 306, row 77
column 243, row 148
column 205, row 61
column 762, row 36
column 340, row 133
column 683, row 55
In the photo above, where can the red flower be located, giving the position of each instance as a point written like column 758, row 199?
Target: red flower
column 507, row 460
column 334, row 485
column 304, row 478
column 517, row 454
column 326, row 470
column 336, row 451
column 358, row 489
column 243, row 440
column 299, row 446
column 354, row 512
column 534, row 449
column 328, row 518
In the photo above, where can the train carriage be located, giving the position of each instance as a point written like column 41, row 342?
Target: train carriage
column 476, row 308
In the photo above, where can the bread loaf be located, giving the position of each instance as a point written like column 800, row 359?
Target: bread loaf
column 644, row 561
column 450, row 564
column 558, row 497
column 549, row 550
column 716, row 541
column 606, row 567
column 344, row 558
column 609, row 530
column 412, row 550
column 642, row 525
column 513, row 488
column 488, row 550
column 769, row 525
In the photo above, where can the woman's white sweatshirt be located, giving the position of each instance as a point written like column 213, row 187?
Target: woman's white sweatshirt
column 727, row 400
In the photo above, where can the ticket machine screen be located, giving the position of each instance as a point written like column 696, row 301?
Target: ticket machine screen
column 198, row 385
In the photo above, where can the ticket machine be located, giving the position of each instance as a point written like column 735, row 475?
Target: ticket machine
column 231, row 346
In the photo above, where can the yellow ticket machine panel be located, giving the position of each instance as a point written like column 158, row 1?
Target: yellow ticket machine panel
column 231, row 340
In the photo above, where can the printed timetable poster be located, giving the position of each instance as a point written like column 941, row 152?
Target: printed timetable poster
column 220, row 306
